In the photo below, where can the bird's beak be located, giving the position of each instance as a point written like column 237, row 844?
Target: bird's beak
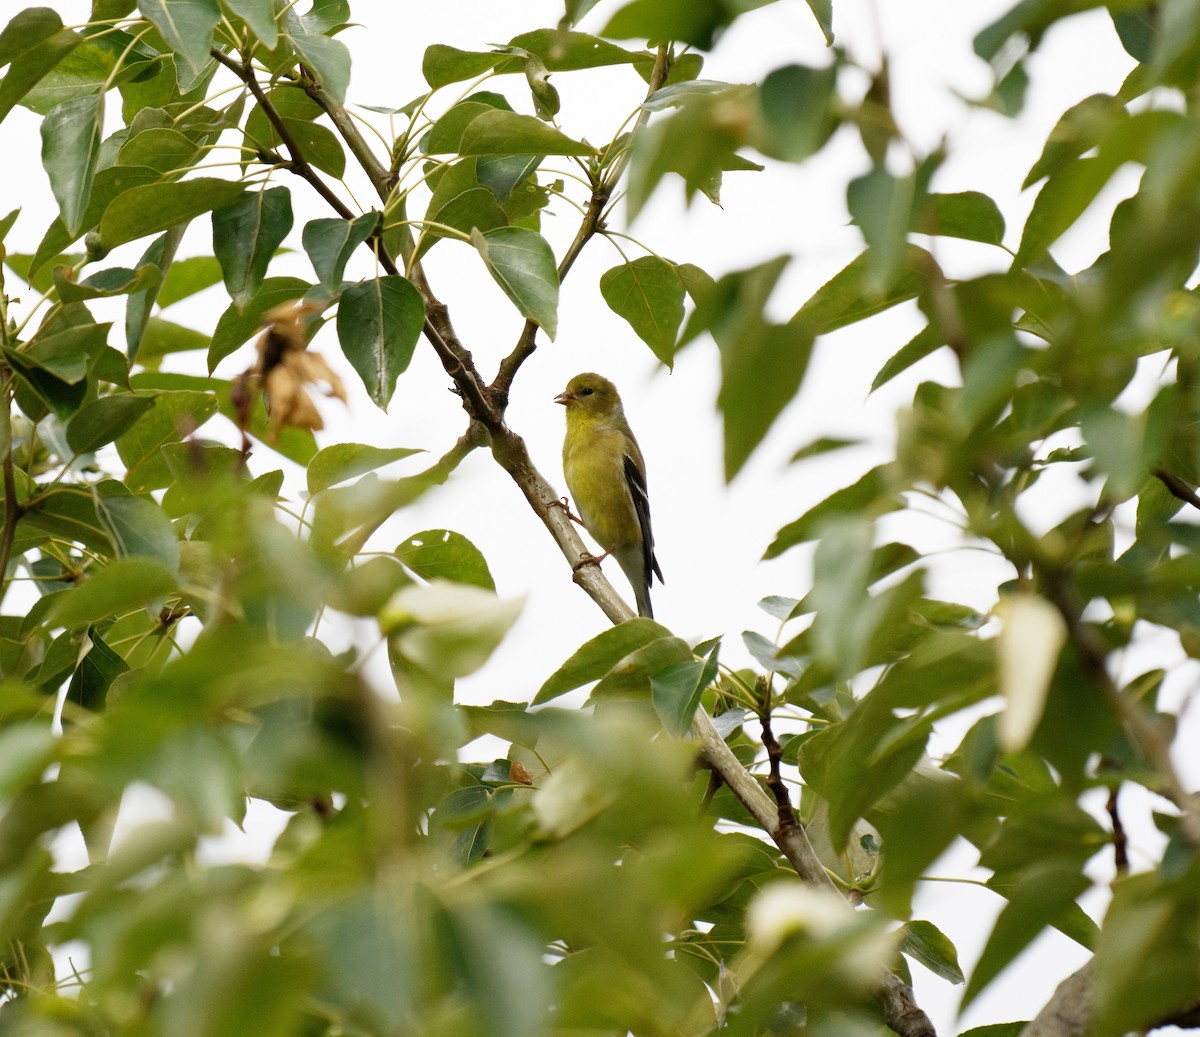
column 565, row 398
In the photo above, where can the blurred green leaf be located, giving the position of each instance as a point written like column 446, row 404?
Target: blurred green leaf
column 599, row 655
column 343, row 461
column 444, row 554
column 102, row 420
column 1041, row 894
column 95, row 673
column 118, row 587
column 872, row 494
column 970, row 215
column 926, row 943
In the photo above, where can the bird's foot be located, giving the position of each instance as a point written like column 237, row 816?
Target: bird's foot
column 563, row 503
column 588, row 559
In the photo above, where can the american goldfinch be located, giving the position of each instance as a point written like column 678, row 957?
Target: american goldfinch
column 607, row 478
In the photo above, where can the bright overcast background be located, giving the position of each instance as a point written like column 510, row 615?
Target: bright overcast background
column 710, row 536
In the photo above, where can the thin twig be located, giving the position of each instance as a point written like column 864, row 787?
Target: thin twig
column 297, row 163
column 1120, row 840
column 593, row 221
column 1177, row 487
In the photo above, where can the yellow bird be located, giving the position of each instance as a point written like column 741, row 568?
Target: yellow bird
column 607, row 478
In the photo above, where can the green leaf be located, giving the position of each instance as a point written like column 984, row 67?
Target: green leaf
column 760, row 375
column 69, row 515
column 245, row 237
column 378, row 324
column 260, row 16
column 31, row 66
column 649, row 295
column 522, row 264
column 317, row 144
column 1042, row 893
column 344, row 461
column 121, row 587
column 105, row 284
column 676, row 691
column 102, row 420
column 926, row 943
column 633, row 674
column 188, row 276
column 158, row 257
column 560, row 51
column 928, row 340
column 823, row 12
column 1145, row 964
column 70, row 149
column 26, row 30
column 996, row 1030
column 237, row 324
column 161, row 148
column 462, row 202
column 163, row 337
column 845, row 299
column 186, row 25
column 499, row 132
column 153, row 208
column 140, row 529
column 330, row 243
column 444, row 554
column 871, row 495
column 697, row 22
column 970, row 215
column 599, row 655
column 95, row 673
column 327, row 59
column 175, row 414
column 1060, row 203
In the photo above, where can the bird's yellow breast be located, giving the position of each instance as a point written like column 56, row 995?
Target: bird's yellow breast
column 594, row 466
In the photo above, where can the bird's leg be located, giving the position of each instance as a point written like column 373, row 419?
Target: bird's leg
column 562, row 503
column 589, row 560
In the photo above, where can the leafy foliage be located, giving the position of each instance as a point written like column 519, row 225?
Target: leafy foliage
column 167, row 610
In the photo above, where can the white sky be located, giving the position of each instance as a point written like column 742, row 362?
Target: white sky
column 710, row 537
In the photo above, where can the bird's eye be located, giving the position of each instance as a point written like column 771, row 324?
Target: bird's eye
column 586, row 392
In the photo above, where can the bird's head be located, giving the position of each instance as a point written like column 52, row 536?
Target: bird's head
column 590, row 394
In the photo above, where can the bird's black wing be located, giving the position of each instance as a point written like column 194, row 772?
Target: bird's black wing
column 641, row 505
